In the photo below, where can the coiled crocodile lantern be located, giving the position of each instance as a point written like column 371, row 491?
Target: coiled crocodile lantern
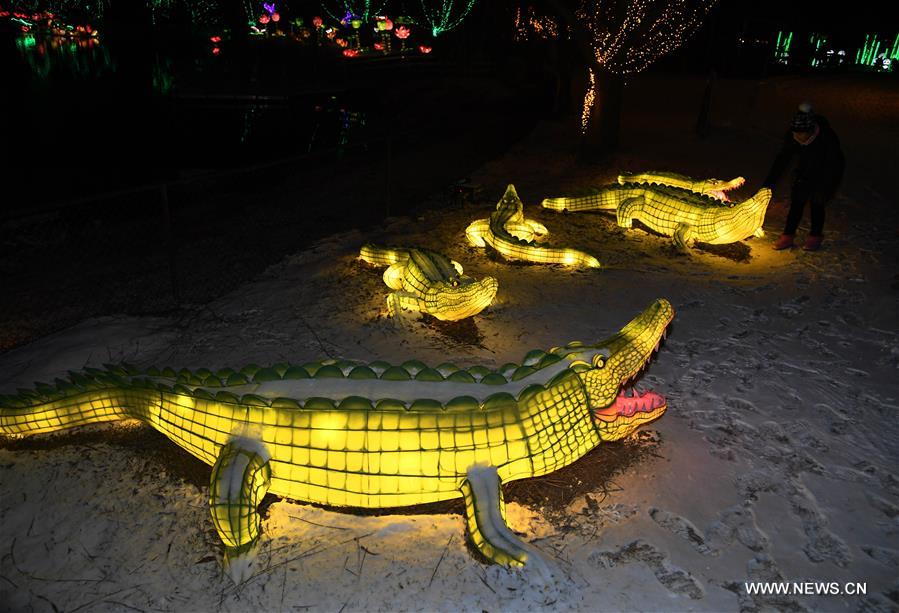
column 677, row 206
column 375, row 435
column 515, row 237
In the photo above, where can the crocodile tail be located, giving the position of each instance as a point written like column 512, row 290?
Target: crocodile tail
column 32, row 413
column 599, row 200
column 382, row 256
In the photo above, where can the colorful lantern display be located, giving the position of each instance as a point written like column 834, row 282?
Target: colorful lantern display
column 687, row 216
column 344, row 433
column 429, row 282
column 515, row 237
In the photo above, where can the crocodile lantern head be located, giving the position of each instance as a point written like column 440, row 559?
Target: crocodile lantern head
column 718, row 188
column 609, row 368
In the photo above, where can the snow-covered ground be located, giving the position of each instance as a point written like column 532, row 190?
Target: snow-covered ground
column 777, row 458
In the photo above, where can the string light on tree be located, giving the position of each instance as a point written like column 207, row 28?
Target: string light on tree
column 648, row 30
column 619, row 38
column 589, row 97
column 446, row 16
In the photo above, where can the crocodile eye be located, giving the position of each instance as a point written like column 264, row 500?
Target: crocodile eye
column 599, row 360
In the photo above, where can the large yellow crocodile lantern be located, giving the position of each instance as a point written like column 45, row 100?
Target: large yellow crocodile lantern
column 349, row 434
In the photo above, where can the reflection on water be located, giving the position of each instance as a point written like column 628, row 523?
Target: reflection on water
column 48, row 55
column 195, row 109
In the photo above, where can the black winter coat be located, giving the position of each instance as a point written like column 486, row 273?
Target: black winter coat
column 820, row 166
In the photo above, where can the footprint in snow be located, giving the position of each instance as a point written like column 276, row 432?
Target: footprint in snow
column 676, row 580
column 682, row 527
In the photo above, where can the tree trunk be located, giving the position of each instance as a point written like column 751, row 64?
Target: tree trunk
column 601, row 136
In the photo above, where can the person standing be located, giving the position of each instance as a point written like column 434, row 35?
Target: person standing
column 819, row 170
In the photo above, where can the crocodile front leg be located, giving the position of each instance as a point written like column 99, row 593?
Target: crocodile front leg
column 397, row 302
column 628, row 210
column 240, row 478
column 484, row 515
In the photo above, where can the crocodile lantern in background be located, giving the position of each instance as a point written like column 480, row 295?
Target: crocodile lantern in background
column 665, row 207
column 714, row 188
column 429, row 282
column 517, row 238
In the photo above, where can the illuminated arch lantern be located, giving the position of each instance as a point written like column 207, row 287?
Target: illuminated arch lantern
column 429, row 282
column 516, row 238
column 371, row 435
column 674, row 205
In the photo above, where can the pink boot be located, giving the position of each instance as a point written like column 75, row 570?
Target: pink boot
column 812, row 242
column 784, row 242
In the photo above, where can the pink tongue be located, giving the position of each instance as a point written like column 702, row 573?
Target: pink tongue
column 645, row 402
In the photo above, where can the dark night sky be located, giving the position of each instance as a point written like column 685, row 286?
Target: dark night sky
column 836, row 17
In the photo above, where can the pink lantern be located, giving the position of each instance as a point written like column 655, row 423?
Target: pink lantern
column 264, row 19
column 379, row 46
column 425, row 49
column 388, row 23
column 402, row 32
column 317, row 22
column 276, row 17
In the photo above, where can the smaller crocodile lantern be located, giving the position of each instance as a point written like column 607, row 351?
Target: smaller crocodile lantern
column 686, row 215
column 429, row 282
column 516, row 237
column 714, row 188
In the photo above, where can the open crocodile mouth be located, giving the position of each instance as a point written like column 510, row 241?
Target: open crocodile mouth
column 721, row 193
column 632, row 401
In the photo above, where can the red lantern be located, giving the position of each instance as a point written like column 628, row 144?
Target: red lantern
column 264, row 19
column 424, row 49
column 388, row 24
column 276, row 17
column 350, row 53
column 317, row 22
column 216, row 39
column 379, row 46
